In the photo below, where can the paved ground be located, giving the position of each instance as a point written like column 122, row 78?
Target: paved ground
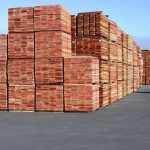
column 125, row 125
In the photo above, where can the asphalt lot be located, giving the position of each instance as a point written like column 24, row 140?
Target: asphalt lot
column 124, row 125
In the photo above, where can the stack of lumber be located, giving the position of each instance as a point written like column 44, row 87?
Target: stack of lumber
column 52, row 44
column 81, row 83
column 20, row 20
column 52, row 18
column 92, row 24
column 3, row 72
column 92, row 40
column 147, row 71
column 49, row 70
column 146, row 59
column 52, row 26
column 113, row 31
column 38, row 40
column 49, row 97
column 21, row 59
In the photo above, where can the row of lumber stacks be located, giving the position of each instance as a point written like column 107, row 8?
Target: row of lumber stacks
column 92, row 40
column 52, row 43
column 38, row 40
column 146, row 68
column 3, row 72
column 53, row 61
column 21, row 81
column 81, row 83
column 97, row 36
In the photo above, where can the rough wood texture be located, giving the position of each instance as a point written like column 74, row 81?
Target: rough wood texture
column 21, row 45
column 21, row 98
column 21, row 72
column 81, row 70
column 52, row 44
column 49, row 98
column 54, row 18
column 3, row 46
column 49, row 70
column 3, row 97
column 20, row 20
column 81, row 98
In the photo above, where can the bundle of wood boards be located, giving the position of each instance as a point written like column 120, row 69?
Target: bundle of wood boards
column 20, row 20
column 92, row 24
column 81, row 70
column 49, row 98
column 113, row 31
column 52, row 17
column 81, row 98
column 52, row 44
column 92, row 46
column 21, row 97
column 49, row 70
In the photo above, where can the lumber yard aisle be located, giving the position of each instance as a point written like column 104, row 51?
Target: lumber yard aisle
column 124, row 125
column 54, row 61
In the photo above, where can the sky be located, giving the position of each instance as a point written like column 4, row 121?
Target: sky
column 133, row 16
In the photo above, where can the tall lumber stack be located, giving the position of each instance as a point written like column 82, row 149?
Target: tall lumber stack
column 52, row 61
column 3, row 72
column 21, row 90
column 52, row 25
column 81, row 83
column 36, row 48
column 92, row 40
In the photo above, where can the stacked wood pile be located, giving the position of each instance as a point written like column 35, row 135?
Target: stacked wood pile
column 52, row 61
column 146, row 67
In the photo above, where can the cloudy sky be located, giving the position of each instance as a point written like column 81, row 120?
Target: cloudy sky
column 131, row 15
